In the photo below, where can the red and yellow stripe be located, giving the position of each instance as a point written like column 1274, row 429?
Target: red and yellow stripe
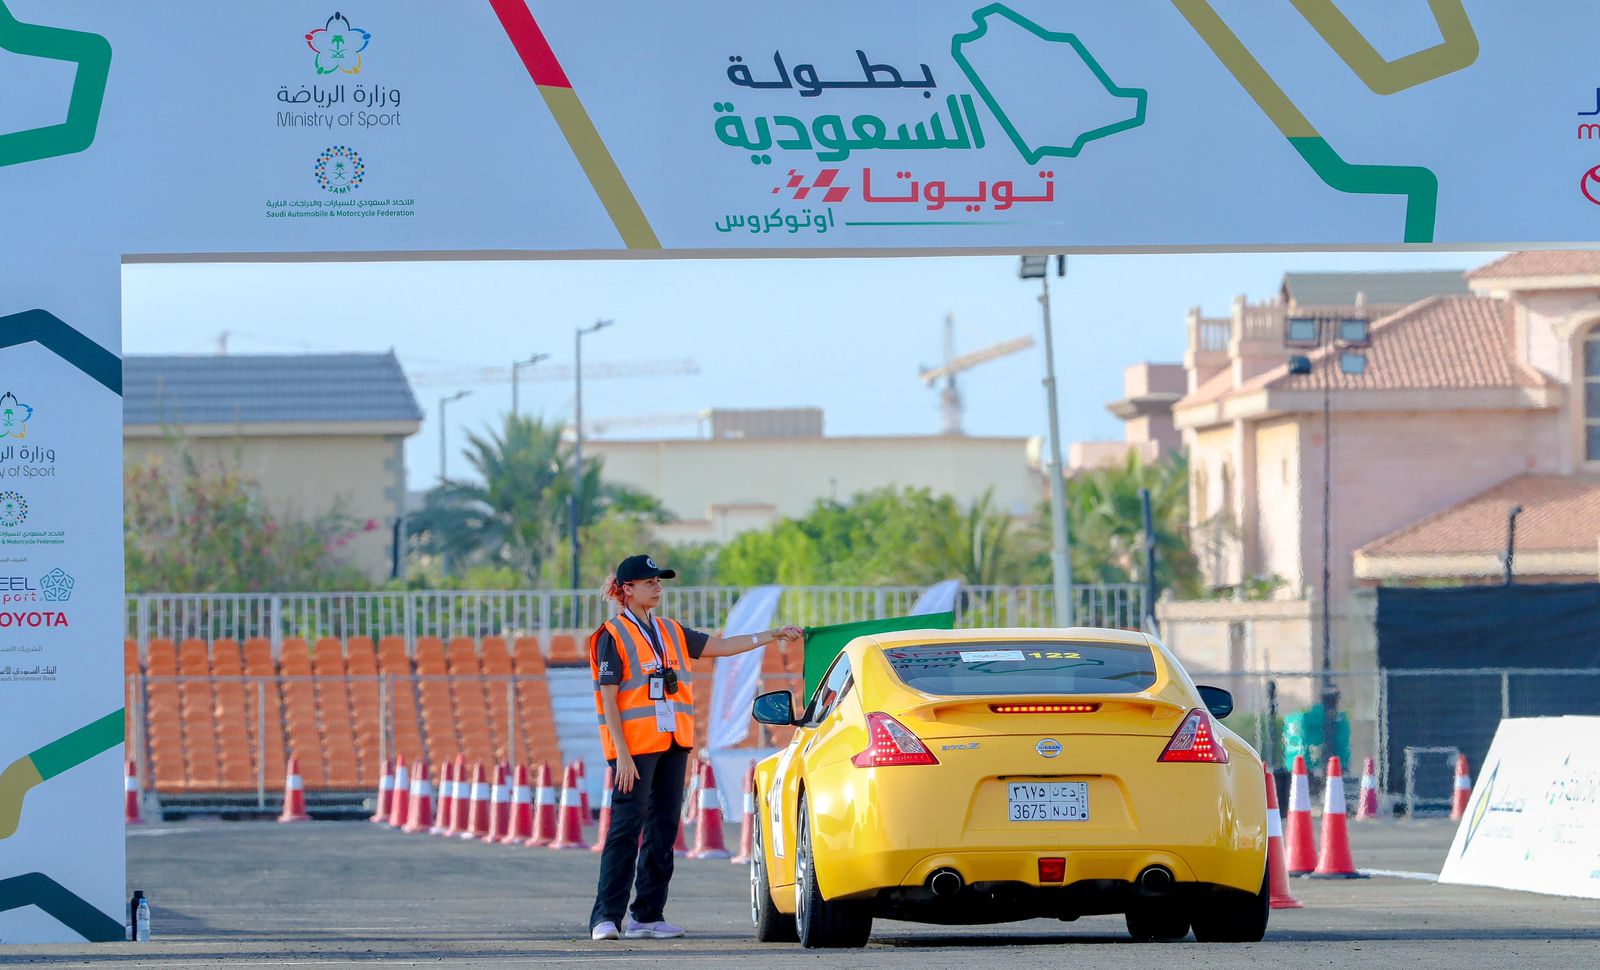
column 575, row 124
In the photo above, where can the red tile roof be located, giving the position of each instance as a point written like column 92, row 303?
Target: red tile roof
column 1446, row 342
column 1552, row 262
column 1560, row 513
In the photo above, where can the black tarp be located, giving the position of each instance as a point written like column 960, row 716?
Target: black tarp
column 1472, row 628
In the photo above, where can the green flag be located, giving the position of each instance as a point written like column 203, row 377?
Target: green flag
column 823, row 643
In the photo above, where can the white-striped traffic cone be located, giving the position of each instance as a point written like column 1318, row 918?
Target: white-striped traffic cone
column 294, row 794
column 747, row 827
column 131, row 815
column 1367, row 801
column 385, row 792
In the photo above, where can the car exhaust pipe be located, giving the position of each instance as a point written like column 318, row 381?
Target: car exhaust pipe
column 945, row 883
column 1156, row 880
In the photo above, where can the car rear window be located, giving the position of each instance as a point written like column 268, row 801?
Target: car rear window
column 1055, row 667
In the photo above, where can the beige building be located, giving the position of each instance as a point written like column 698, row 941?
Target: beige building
column 1148, row 393
column 720, row 487
column 315, row 431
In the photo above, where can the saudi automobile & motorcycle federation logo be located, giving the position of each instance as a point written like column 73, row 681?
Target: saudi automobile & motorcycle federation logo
column 13, row 509
column 339, row 170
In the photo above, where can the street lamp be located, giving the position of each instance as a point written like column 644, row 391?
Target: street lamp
column 1511, row 537
column 444, row 402
column 577, row 440
column 1037, row 268
column 1348, row 336
column 516, row 368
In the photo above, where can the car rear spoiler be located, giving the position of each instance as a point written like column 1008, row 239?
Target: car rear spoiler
column 1127, row 707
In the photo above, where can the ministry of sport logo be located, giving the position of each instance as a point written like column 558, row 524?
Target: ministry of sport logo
column 338, row 46
column 14, row 416
column 339, row 169
column 13, row 509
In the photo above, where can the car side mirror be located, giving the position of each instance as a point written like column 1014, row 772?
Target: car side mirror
column 774, row 707
column 1218, row 701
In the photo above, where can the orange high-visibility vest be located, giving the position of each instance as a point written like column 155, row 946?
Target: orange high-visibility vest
column 639, row 732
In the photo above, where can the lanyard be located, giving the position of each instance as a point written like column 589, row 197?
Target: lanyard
column 650, row 636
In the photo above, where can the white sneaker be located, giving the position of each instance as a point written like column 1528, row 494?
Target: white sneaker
column 604, row 931
column 659, row 930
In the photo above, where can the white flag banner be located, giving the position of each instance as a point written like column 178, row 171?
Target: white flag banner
column 738, row 677
column 938, row 598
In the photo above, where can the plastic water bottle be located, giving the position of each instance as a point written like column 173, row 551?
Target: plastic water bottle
column 141, row 921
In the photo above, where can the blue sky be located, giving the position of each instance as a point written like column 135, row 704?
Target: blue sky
column 848, row 336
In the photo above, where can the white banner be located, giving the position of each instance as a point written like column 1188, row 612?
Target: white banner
column 738, row 677
column 938, row 598
column 1534, row 819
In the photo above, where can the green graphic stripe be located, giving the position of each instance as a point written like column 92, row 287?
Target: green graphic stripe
column 65, row 342
column 1459, row 48
column 70, row 909
column 92, row 54
column 79, row 746
column 1031, row 154
column 1419, row 185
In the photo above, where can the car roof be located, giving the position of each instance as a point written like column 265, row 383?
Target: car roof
column 903, row 638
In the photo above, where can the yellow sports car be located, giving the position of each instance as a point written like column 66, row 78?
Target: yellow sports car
column 983, row 776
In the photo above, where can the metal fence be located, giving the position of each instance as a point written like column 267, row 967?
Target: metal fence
column 1390, row 711
column 510, row 613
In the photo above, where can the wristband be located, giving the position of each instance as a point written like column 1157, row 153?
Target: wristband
column 755, row 639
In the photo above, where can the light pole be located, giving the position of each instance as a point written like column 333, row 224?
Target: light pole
column 444, row 402
column 516, row 368
column 1346, row 333
column 1037, row 267
column 577, row 441
column 1511, row 538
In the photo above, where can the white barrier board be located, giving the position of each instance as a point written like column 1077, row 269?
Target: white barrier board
column 1534, row 819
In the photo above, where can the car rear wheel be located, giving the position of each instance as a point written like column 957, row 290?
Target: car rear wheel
column 1233, row 917
column 823, row 923
column 771, row 925
column 1159, row 920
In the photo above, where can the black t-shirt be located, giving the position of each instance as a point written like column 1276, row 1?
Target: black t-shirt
column 608, row 659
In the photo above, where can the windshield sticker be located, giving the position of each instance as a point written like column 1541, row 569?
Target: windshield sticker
column 990, row 656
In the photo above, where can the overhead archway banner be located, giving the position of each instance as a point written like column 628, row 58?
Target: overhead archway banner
column 183, row 129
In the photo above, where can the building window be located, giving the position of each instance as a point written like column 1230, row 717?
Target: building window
column 1302, row 332
column 1591, row 396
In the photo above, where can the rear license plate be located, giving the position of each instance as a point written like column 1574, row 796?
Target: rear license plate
column 1048, row 801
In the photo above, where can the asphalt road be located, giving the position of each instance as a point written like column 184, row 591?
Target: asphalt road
column 247, row 894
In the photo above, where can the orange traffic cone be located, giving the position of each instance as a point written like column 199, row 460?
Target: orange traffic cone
column 447, row 799
column 1463, row 790
column 461, row 818
column 1335, row 861
column 294, row 794
column 499, row 806
column 521, row 808
column 1298, row 839
column 605, row 811
column 130, row 786
column 1367, row 801
column 385, row 793
column 544, row 808
column 708, row 837
column 420, row 815
column 1278, row 871
column 583, row 791
column 570, row 829
column 477, row 806
column 400, row 806
column 747, row 827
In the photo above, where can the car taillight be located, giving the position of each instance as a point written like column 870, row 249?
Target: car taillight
column 1052, row 869
column 1195, row 742
column 1044, row 708
column 891, row 743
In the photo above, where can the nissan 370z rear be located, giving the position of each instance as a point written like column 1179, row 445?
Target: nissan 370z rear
column 984, row 776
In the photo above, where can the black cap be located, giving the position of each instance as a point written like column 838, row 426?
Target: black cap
column 642, row 567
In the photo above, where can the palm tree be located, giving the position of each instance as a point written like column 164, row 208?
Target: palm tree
column 517, row 511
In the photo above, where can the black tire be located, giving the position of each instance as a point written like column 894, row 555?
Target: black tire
column 1234, row 917
column 771, row 925
column 823, row 924
column 1160, row 922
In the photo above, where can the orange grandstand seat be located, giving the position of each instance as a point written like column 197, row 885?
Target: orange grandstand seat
column 361, row 662
column 536, row 723
column 130, row 657
column 401, row 686
column 162, row 659
column 333, row 714
column 237, row 717
column 467, row 690
column 566, row 652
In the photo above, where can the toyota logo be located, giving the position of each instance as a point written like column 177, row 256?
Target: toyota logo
column 1048, row 748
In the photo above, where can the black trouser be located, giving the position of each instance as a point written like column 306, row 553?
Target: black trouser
column 652, row 807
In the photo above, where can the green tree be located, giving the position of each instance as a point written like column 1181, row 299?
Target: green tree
column 517, row 513
column 193, row 528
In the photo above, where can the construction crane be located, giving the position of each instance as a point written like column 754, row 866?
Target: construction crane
column 950, row 404
column 562, row 373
